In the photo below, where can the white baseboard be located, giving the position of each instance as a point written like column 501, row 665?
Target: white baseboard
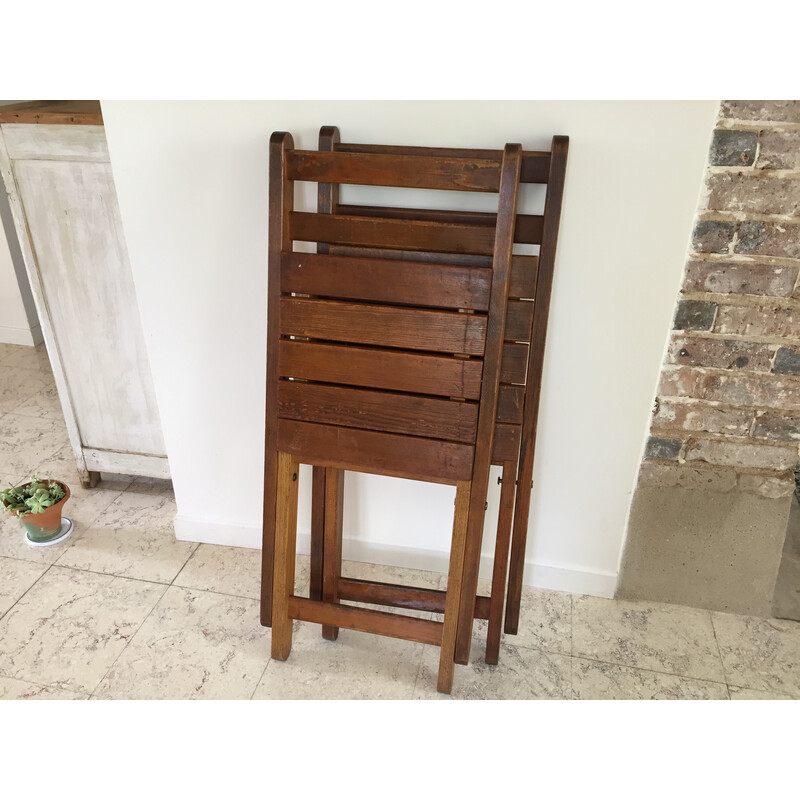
column 25, row 336
column 560, row 578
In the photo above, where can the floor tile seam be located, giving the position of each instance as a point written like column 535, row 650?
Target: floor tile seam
column 10, row 609
column 28, row 397
column 111, row 575
column 37, row 683
column 794, row 695
column 183, row 566
column 719, row 648
column 128, row 643
column 647, row 669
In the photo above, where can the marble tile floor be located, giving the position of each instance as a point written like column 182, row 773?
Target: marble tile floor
column 122, row 610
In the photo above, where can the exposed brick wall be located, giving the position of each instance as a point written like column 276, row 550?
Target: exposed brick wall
column 729, row 395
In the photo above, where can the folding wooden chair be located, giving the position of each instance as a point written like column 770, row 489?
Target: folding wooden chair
column 379, row 363
column 515, row 428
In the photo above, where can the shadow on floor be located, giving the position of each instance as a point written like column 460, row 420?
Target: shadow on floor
column 786, row 602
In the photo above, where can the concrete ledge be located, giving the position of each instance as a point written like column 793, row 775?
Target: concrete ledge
column 705, row 537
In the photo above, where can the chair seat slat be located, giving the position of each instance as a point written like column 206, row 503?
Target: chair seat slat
column 377, row 453
column 386, row 326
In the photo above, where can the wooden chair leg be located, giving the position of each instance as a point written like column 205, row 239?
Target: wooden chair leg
column 500, row 569
column 454, row 579
column 332, row 549
column 285, row 549
column 317, row 532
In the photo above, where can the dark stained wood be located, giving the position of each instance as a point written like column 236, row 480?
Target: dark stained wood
column 378, row 453
column 547, row 256
column 388, row 369
column 524, row 271
column 388, row 326
column 457, row 259
column 385, row 623
column 332, row 567
column 506, row 443
column 519, row 320
column 510, row 404
column 394, row 234
column 514, row 363
column 527, row 228
column 285, row 538
column 413, row 415
column 381, row 281
column 500, row 566
column 317, row 531
column 400, row 596
column 53, row 112
column 388, row 169
column 535, row 164
column 492, row 375
column 281, row 198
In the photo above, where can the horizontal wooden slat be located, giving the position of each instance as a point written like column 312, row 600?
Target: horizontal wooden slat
column 461, row 174
column 395, row 234
column 383, row 281
column 514, row 363
column 527, row 229
column 505, row 445
column 399, row 596
column 382, row 369
column 519, row 321
column 385, row 326
column 524, row 271
column 414, row 629
column 510, row 401
column 420, row 256
column 431, row 417
column 379, row 453
column 535, row 164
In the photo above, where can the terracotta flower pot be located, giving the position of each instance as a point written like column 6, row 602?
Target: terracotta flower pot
column 47, row 525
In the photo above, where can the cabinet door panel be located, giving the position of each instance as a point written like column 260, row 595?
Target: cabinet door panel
column 79, row 247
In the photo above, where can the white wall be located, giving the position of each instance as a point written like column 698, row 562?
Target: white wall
column 192, row 185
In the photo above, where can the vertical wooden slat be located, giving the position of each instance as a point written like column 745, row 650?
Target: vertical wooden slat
column 453, row 598
column 547, row 257
column 500, row 567
column 281, row 199
column 285, row 547
column 327, row 201
column 498, row 303
column 332, row 565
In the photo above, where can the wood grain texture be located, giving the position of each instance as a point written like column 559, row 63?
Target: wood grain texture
column 453, row 599
column 385, row 623
column 388, row 169
column 377, row 453
column 381, row 281
column 332, row 565
column 547, row 256
column 386, row 326
column 514, row 363
column 391, row 233
column 387, row 369
column 519, row 321
column 510, row 403
column 285, row 539
column 524, row 272
column 494, row 367
column 53, row 112
column 505, row 446
column 316, row 557
column 412, row 415
column 281, row 199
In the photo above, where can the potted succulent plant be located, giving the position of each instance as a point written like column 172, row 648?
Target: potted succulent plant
column 38, row 504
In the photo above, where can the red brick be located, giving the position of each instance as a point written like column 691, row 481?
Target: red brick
column 738, row 454
column 701, row 417
column 678, row 383
column 698, row 351
column 753, row 192
column 737, row 278
column 778, row 150
column 780, row 427
column 761, row 110
column 758, row 321
column 780, row 240
column 751, row 390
